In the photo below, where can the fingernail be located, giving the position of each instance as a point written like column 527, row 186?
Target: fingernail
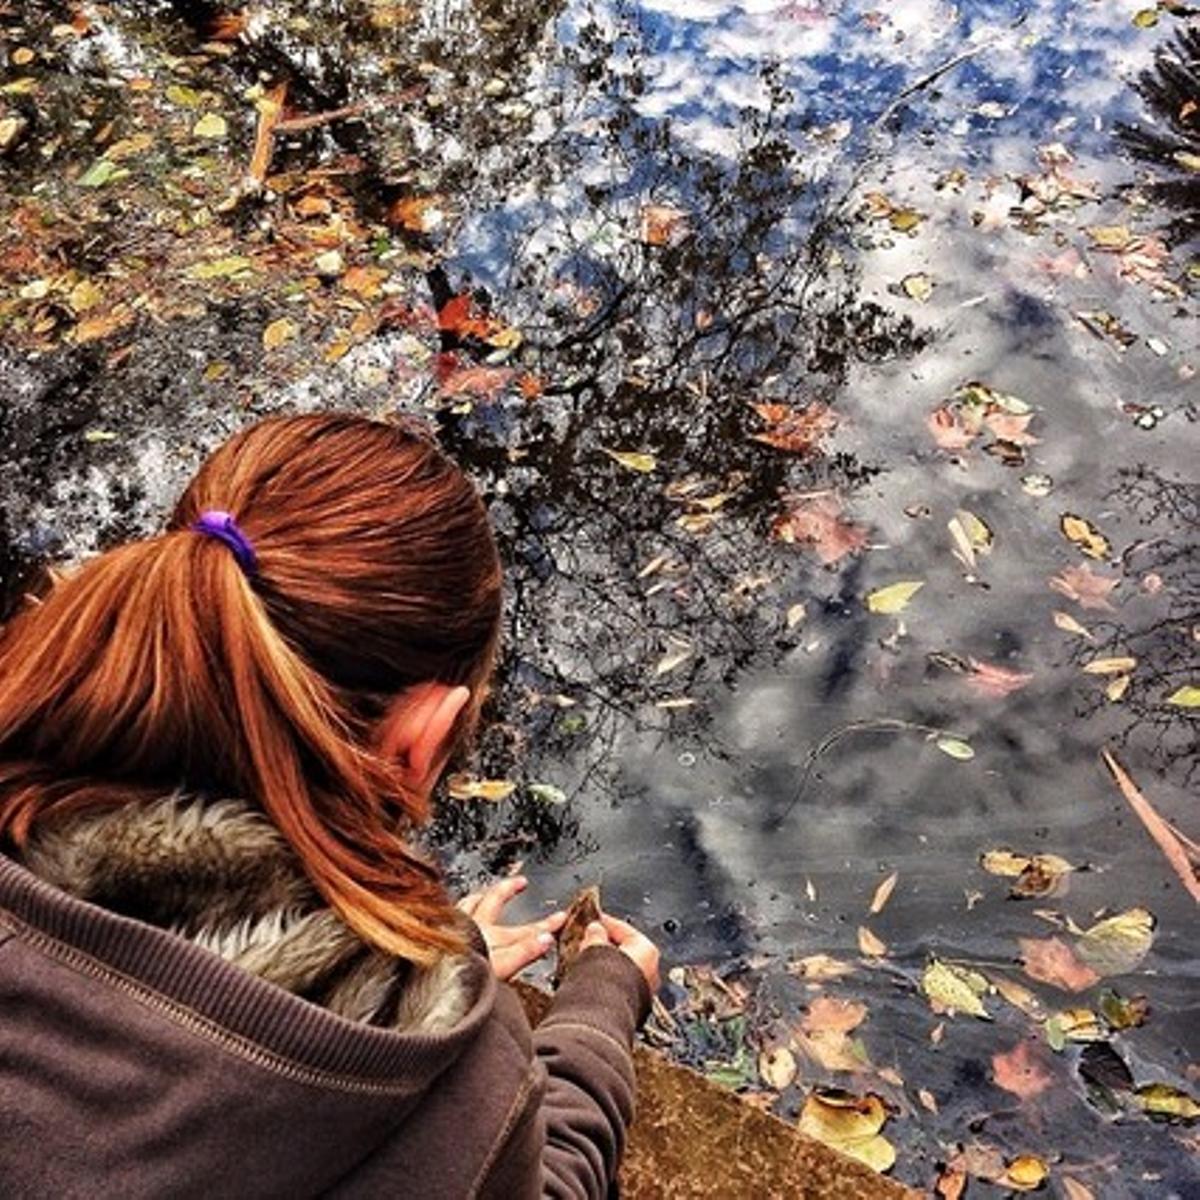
column 545, row 939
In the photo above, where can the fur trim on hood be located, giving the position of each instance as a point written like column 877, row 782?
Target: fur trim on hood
column 220, row 874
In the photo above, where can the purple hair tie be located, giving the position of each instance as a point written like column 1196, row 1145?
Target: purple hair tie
column 222, row 526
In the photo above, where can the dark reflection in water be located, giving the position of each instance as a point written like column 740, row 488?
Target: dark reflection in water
column 690, row 212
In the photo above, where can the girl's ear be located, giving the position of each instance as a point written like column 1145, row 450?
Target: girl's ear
column 416, row 730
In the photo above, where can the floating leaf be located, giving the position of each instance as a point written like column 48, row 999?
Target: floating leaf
column 1122, row 1013
column 796, row 430
column 466, row 787
column 211, row 125
column 1110, row 666
column 850, row 1124
column 1068, row 624
column 1074, row 1190
column 954, row 989
column 1026, row 1173
column 917, row 286
column 1036, row 484
column 1145, row 18
column 992, row 680
column 829, row 1014
column 955, row 748
column 1187, row 696
column 821, row 968
column 795, row 614
column 883, row 893
column 1162, row 1100
column 777, row 1068
column 633, row 460
column 1085, row 535
column 1073, row 1025
column 1116, row 945
column 278, row 332
column 547, row 793
column 895, row 597
column 1019, row 996
column 1052, row 961
column 817, row 522
column 869, row 944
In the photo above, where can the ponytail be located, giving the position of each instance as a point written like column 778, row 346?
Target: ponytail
column 161, row 664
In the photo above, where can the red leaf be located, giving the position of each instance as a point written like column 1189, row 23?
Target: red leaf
column 1052, row 961
column 1021, row 1071
column 796, row 430
column 816, row 522
column 948, row 430
column 484, row 382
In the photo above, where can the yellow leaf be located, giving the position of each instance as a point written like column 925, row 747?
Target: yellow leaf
column 221, row 268
column 1085, row 535
column 1068, row 624
column 211, row 125
column 278, row 332
column 955, row 989
column 85, row 295
column 1187, row 160
column 1187, row 696
column 1026, row 1173
column 1166, row 1101
column 917, row 286
column 1117, row 687
column 869, row 944
column 1145, row 18
column 679, row 652
column 850, row 1124
column 895, row 597
column 1116, row 945
column 466, row 787
column 1119, row 665
column 883, row 892
column 634, row 460
column 797, row 612
column 905, row 220
column 1110, row 237
column 777, row 1068
column 955, row 748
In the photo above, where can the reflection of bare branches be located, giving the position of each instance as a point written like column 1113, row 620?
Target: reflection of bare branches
column 1171, row 146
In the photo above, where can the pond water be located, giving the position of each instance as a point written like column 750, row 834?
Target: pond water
column 740, row 313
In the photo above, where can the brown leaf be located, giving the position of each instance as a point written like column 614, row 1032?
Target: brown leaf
column 946, row 425
column 796, row 430
column 830, row 1014
column 1021, row 1071
column 1085, row 586
column 817, row 522
column 883, row 893
column 662, row 224
column 1052, row 961
column 869, row 944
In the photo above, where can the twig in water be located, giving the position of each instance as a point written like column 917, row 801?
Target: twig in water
column 1171, row 843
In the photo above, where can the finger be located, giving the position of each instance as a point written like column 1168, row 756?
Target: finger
column 469, row 903
column 491, row 904
column 508, row 960
column 620, row 931
column 507, row 935
column 594, row 935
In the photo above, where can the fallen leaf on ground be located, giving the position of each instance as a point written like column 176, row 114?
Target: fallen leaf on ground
column 678, row 653
column 1118, row 944
column 1187, row 696
column 895, row 597
column 210, row 126
column 1121, row 1012
column 883, row 893
column 850, row 1124
column 971, row 536
column 1084, row 586
column 817, row 522
column 1018, row 996
column 1110, row 666
column 832, row 1050
column 278, row 333
column 1073, row 1025
column 662, row 224
column 1012, row 427
column 1082, row 533
column 1021, row 1071
column 1026, row 1173
column 1052, row 961
column 820, row 967
column 954, row 989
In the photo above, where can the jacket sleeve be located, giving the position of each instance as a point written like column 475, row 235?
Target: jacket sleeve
column 581, row 1099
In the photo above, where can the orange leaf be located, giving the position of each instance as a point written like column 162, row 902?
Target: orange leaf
column 796, row 430
column 484, row 382
column 1021, row 1071
column 1052, row 961
column 827, row 1014
column 948, row 429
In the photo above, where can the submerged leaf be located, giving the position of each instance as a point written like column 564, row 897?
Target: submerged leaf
column 1021, row 1071
column 817, row 522
column 1083, row 585
column 1051, row 960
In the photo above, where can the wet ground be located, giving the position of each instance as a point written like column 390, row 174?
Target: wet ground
column 741, row 314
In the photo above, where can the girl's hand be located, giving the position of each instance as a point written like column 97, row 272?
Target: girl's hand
column 610, row 931
column 510, row 947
